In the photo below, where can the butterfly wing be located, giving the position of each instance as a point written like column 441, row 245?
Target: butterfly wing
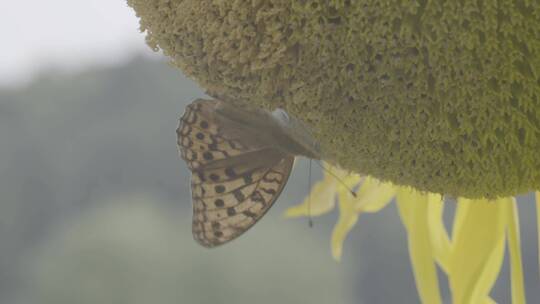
column 227, row 207
column 235, row 177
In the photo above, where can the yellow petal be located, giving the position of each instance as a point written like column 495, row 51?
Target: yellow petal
column 374, row 195
column 349, row 183
column 514, row 247
column 347, row 218
column 477, row 249
column 413, row 208
column 321, row 198
column 489, row 301
column 459, row 217
column 345, row 181
column 440, row 241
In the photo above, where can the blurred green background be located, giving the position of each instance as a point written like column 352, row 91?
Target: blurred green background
column 95, row 208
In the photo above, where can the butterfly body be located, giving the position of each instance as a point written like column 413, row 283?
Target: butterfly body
column 240, row 162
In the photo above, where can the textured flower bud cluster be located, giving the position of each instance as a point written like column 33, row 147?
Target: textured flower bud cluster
column 442, row 95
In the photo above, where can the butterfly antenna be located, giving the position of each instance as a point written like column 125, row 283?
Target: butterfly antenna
column 336, row 177
column 310, row 219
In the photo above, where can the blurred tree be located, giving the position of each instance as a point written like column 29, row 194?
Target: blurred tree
column 134, row 250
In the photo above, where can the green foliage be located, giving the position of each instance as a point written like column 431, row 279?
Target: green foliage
column 133, row 250
column 440, row 95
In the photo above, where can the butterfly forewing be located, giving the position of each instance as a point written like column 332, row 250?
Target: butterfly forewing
column 199, row 137
column 235, row 177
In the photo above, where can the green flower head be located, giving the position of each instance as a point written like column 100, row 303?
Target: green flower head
column 443, row 96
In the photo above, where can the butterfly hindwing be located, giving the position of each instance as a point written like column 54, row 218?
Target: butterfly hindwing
column 227, row 207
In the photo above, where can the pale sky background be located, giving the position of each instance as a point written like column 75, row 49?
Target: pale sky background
column 65, row 35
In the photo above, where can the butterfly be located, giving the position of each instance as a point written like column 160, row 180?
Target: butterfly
column 240, row 160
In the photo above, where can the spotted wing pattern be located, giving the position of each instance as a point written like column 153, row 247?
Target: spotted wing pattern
column 234, row 181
